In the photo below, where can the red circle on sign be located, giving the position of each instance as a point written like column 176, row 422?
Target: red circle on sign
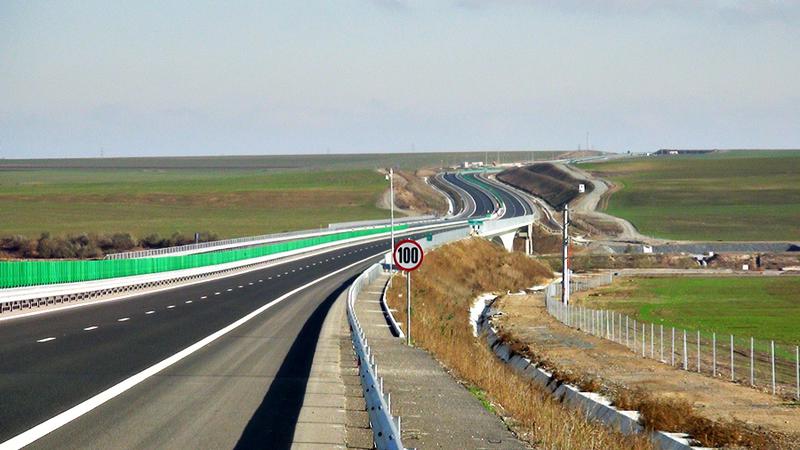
column 410, row 265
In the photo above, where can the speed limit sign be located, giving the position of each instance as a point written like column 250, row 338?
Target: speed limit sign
column 408, row 255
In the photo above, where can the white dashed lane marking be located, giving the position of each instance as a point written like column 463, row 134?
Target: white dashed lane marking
column 170, row 306
column 203, row 297
column 123, row 319
column 241, row 287
column 216, row 293
column 188, row 301
column 93, row 327
column 47, row 339
column 149, row 312
column 229, row 290
column 263, row 280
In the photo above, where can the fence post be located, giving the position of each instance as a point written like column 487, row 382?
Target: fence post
column 752, row 361
column 652, row 340
column 661, row 341
column 672, row 353
column 644, row 341
column 634, row 335
column 619, row 333
column 685, row 354
column 714, row 354
column 626, row 331
column 698, row 351
column 797, row 369
column 612, row 325
column 772, row 362
column 733, row 376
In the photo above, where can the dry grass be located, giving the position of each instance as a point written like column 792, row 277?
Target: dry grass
column 678, row 415
column 443, row 290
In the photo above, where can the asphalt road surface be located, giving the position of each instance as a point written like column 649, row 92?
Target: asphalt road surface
column 236, row 391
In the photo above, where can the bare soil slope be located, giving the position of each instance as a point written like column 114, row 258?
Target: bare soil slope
column 547, row 181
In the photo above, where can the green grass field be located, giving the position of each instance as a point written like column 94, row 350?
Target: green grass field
column 407, row 161
column 729, row 196
column 141, row 201
column 762, row 307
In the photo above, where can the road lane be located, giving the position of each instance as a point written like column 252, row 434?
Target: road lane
column 53, row 361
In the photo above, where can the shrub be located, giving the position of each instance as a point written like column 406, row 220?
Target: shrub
column 153, row 240
column 121, row 242
column 54, row 248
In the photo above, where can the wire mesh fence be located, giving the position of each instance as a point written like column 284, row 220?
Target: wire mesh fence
column 766, row 364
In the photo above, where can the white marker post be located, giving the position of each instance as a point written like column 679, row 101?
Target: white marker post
column 408, row 256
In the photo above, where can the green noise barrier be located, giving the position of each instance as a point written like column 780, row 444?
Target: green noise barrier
column 31, row 273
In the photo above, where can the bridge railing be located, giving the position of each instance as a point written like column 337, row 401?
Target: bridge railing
column 225, row 244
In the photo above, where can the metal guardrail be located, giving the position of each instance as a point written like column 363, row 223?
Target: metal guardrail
column 225, row 244
column 38, row 272
column 381, row 222
column 386, row 431
column 489, row 227
column 29, row 297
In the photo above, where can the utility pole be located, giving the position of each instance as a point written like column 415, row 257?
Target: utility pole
column 565, row 258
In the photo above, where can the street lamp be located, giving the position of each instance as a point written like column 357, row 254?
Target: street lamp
column 390, row 177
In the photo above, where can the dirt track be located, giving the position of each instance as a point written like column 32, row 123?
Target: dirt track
column 585, row 207
column 526, row 319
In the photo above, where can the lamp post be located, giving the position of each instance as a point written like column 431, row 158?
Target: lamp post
column 390, row 177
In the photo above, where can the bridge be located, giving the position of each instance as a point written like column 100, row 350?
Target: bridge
column 208, row 341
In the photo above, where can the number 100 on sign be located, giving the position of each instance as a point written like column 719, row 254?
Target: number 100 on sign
column 408, row 255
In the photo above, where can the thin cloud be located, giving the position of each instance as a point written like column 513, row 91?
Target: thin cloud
column 738, row 9
column 391, row 5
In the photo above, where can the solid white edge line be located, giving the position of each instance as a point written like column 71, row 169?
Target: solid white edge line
column 52, row 424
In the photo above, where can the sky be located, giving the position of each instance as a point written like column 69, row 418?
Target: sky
column 141, row 78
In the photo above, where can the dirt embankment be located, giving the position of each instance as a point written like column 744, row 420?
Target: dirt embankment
column 546, row 181
column 443, row 290
column 713, row 410
column 413, row 196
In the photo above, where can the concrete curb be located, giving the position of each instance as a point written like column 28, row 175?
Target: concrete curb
column 595, row 405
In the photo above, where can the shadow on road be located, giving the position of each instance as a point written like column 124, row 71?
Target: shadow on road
column 273, row 423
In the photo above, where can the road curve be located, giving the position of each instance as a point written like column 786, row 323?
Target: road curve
column 217, row 396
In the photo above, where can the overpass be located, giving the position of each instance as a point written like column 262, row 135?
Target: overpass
column 204, row 362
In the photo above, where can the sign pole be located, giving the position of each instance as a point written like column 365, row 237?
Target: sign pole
column 408, row 307
column 407, row 256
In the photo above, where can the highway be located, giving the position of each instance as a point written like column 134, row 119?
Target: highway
column 515, row 204
column 53, row 362
column 225, row 394
column 483, row 201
